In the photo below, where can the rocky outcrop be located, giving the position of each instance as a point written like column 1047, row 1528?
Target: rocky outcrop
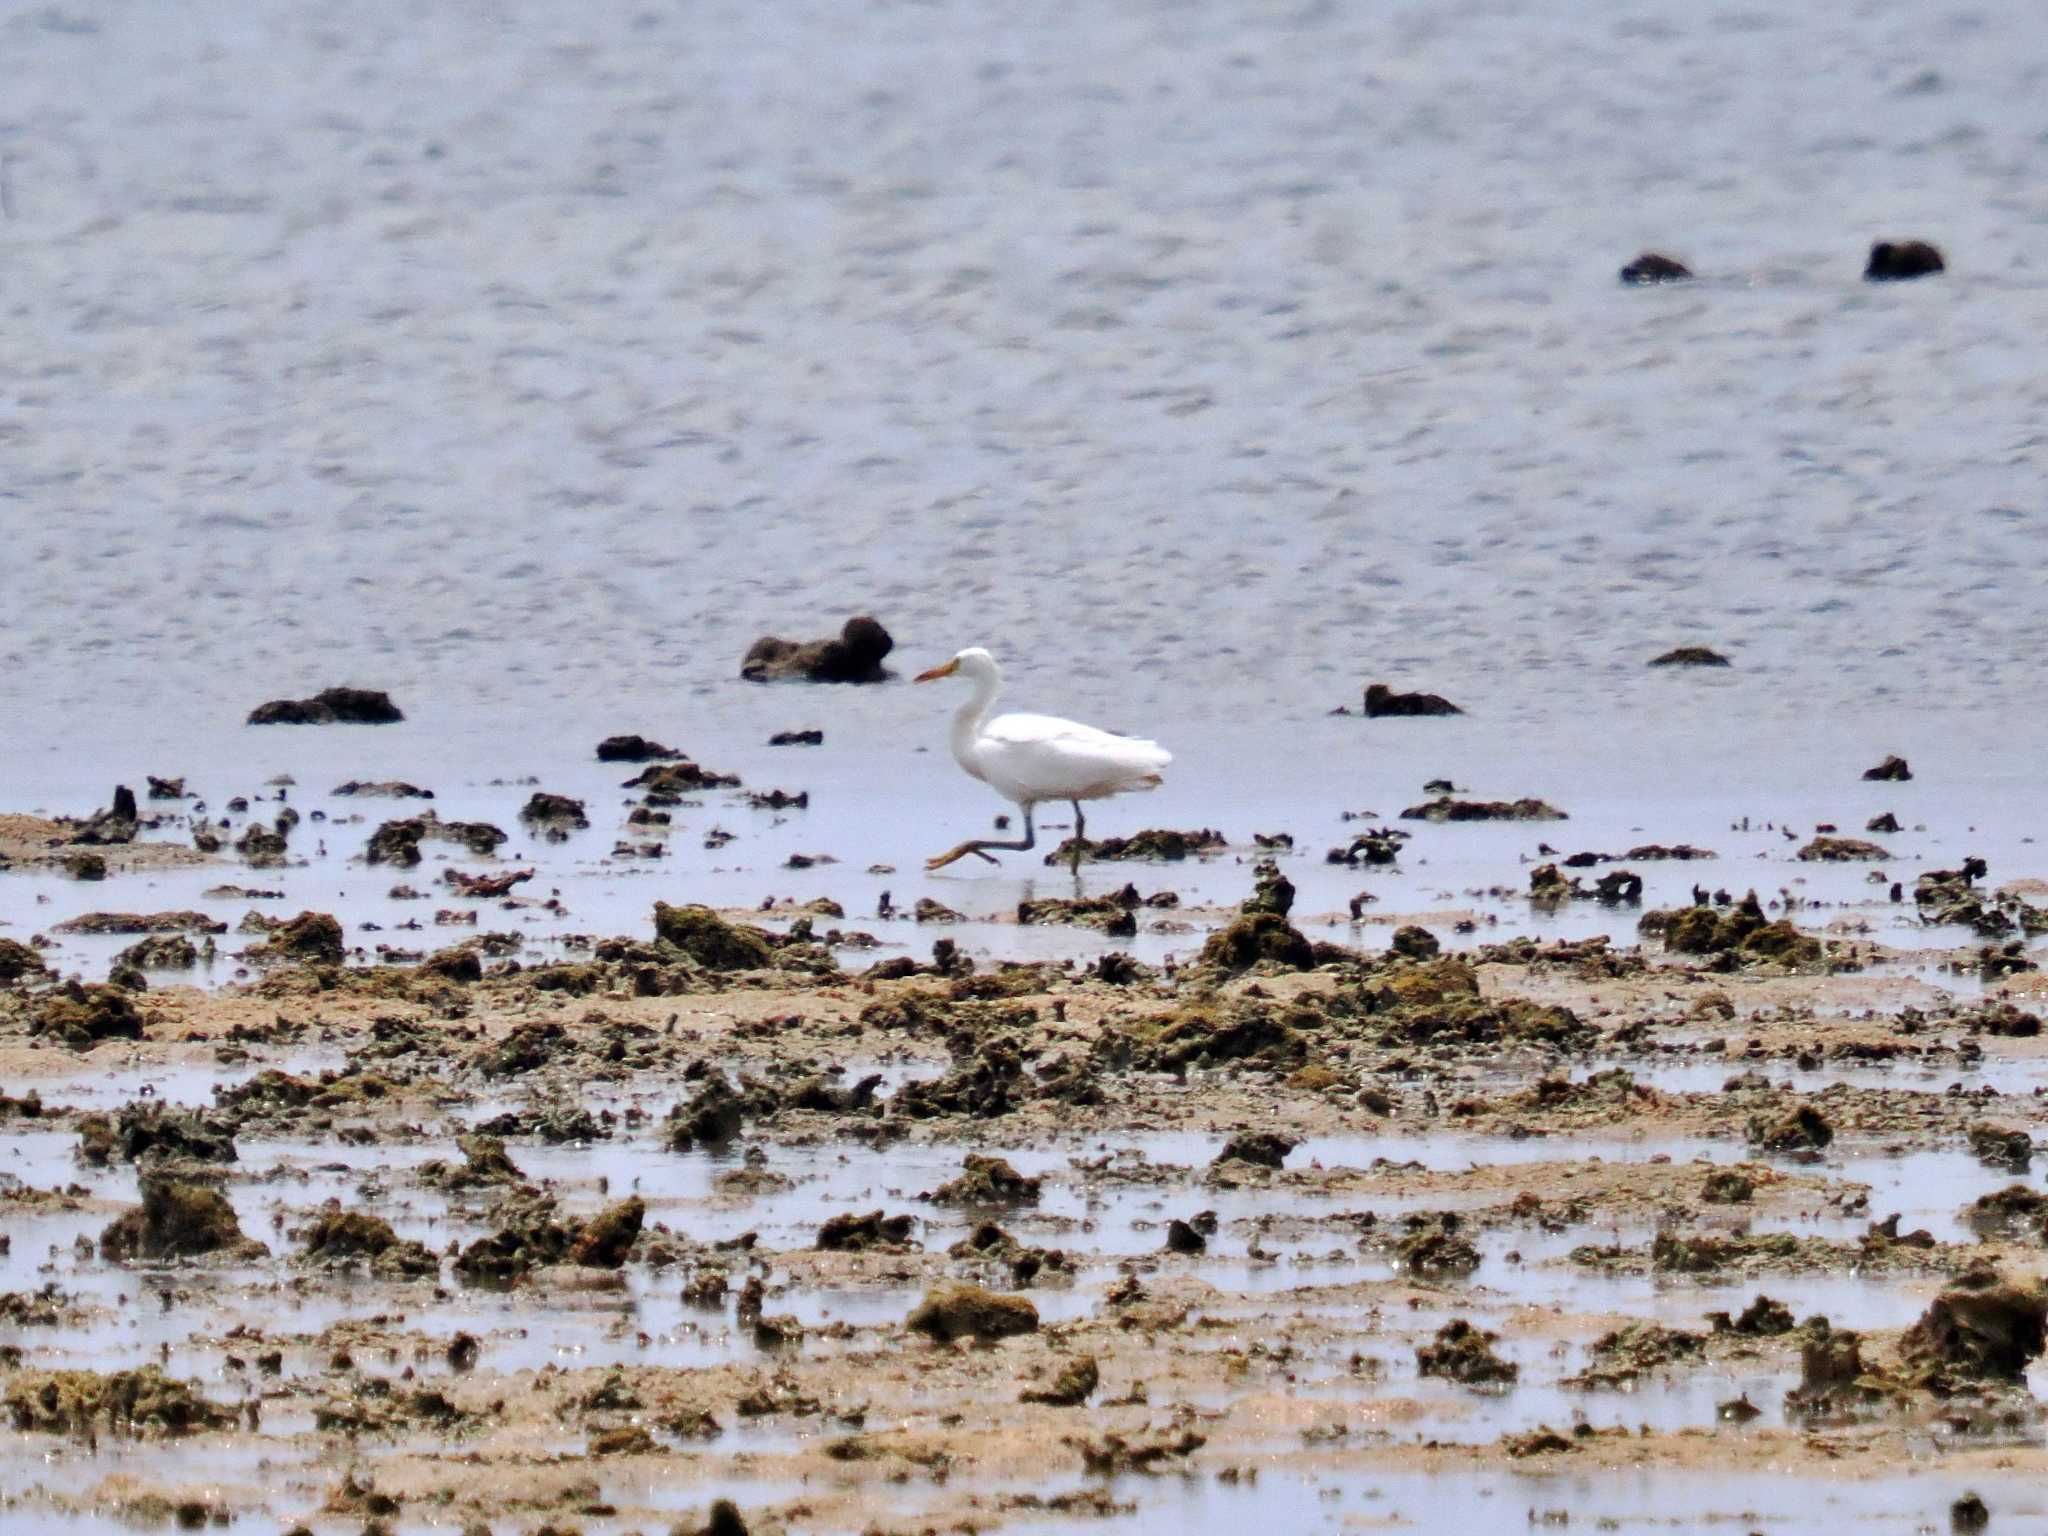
column 1690, row 656
column 1653, row 268
column 330, row 706
column 1896, row 261
column 1380, row 700
column 854, row 657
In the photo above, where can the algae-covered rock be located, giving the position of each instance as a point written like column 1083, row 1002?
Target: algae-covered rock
column 340, row 1236
column 1739, row 934
column 1801, row 1131
column 608, row 1237
column 159, row 952
column 1153, row 843
column 1982, row 1329
column 80, row 1015
column 1412, row 942
column 970, row 1312
column 849, row 1233
column 854, row 657
column 1893, row 770
column 1463, row 1353
column 987, row 1181
column 1258, row 1149
column 312, row 937
column 149, row 1130
column 710, row 940
column 19, row 963
column 1446, row 808
column 140, row 1402
column 1074, row 1385
column 1690, row 656
column 528, row 1237
column 1841, row 850
column 634, row 749
column 1651, row 268
column 178, row 1220
column 554, row 811
column 330, row 706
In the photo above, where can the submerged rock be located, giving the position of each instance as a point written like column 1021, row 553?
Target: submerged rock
column 634, row 749
column 1259, row 1149
column 1895, row 261
column 1690, row 656
column 970, row 1312
column 1382, row 701
column 1152, row 843
column 1653, row 268
column 330, row 706
column 854, row 657
column 1444, row 808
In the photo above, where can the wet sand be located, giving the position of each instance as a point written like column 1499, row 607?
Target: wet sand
column 588, row 1233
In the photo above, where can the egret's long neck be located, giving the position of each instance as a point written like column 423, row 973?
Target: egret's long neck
column 967, row 720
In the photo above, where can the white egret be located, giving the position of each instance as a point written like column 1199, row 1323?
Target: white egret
column 1032, row 758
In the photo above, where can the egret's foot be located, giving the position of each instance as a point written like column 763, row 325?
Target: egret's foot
column 961, row 852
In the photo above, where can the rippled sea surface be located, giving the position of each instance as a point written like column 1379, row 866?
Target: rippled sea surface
column 1203, row 360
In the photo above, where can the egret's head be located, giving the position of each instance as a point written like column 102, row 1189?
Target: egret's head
column 973, row 663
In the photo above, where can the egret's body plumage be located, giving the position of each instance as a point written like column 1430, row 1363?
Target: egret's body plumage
column 1028, row 759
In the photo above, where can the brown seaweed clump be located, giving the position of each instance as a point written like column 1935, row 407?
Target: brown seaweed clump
column 1463, row 1353
column 19, row 963
column 608, row 1237
column 869, row 1233
column 142, row 1402
column 970, row 1312
column 177, row 1220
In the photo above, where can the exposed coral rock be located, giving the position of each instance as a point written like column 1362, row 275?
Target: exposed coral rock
column 330, row 706
column 854, row 657
column 969, row 1311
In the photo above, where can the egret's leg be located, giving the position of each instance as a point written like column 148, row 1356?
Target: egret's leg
column 1080, row 835
column 979, row 846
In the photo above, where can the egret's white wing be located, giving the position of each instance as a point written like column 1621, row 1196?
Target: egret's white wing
column 1046, row 758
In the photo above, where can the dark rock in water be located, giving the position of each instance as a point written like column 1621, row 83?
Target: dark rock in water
column 1184, row 1239
column 116, row 824
column 1893, row 769
column 1741, row 934
column 1968, row 1514
column 166, row 789
column 724, row 1520
column 872, row 1232
column 797, row 739
column 555, row 810
column 398, row 842
column 1260, row 1149
column 1690, row 656
column 1840, row 850
column 1894, row 262
column 1652, row 268
column 681, row 777
column 1381, row 700
column 1885, row 823
column 1152, row 843
column 331, row 706
column 1804, row 1131
column 388, row 789
column 1074, row 1386
column 634, row 749
column 1444, row 808
column 987, row 1181
column 855, row 657
column 314, row 937
column 85, row 866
